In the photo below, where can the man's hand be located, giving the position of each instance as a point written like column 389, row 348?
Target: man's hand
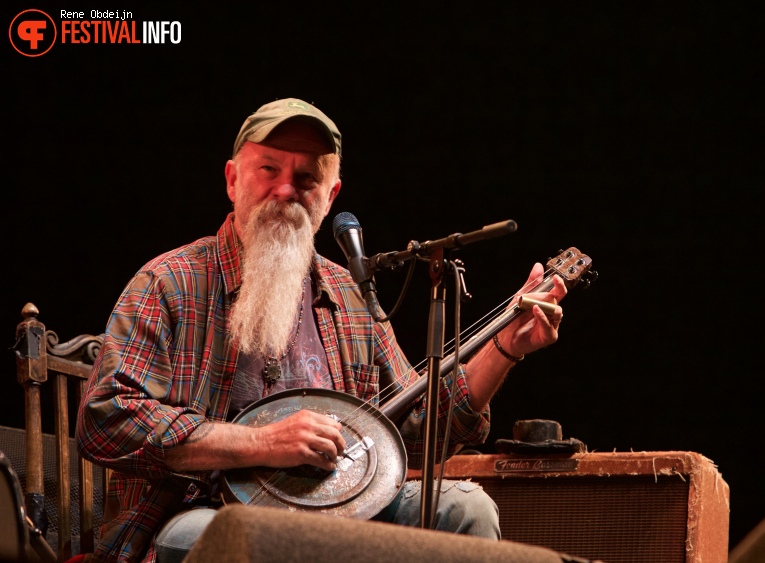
column 305, row 437
column 534, row 329
column 530, row 331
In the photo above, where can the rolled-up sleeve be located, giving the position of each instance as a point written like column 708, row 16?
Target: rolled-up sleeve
column 136, row 403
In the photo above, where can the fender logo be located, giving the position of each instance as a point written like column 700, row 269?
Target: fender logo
column 519, row 465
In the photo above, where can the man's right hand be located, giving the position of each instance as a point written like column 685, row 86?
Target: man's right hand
column 305, row 437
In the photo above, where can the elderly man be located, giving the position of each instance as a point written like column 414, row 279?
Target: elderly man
column 203, row 331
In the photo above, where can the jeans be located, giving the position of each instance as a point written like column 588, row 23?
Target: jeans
column 463, row 508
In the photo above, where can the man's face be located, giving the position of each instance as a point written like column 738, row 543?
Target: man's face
column 291, row 166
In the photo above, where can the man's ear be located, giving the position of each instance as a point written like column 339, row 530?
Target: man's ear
column 332, row 195
column 231, row 173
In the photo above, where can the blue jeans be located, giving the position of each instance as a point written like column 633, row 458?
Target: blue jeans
column 463, row 508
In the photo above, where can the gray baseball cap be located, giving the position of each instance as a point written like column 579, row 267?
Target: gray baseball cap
column 259, row 125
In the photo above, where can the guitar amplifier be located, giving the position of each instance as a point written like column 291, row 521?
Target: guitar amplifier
column 617, row 507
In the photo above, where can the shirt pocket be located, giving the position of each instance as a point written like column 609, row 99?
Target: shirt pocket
column 367, row 377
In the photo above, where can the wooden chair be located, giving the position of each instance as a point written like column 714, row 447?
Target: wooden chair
column 40, row 358
column 20, row 541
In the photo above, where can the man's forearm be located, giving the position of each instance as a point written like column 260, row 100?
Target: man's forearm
column 485, row 373
column 216, row 445
column 305, row 437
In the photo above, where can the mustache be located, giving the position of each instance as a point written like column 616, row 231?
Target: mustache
column 289, row 211
column 279, row 218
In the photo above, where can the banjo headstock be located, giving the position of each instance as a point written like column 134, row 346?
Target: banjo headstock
column 573, row 267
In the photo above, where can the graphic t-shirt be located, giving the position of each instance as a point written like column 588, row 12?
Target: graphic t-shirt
column 305, row 365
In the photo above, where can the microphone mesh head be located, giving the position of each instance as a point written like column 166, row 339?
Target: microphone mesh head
column 344, row 221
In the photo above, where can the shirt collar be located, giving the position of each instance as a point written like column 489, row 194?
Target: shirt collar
column 229, row 255
column 322, row 287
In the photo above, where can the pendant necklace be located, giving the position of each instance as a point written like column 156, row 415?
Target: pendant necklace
column 272, row 366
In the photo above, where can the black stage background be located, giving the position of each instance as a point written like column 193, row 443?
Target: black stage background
column 631, row 133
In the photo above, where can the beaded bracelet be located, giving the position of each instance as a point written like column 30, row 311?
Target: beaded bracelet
column 505, row 354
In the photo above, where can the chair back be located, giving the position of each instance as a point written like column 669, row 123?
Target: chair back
column 40, row 358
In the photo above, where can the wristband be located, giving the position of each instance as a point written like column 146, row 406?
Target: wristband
column 505, row 354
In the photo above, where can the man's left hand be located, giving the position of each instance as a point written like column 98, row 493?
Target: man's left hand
column 534, row 329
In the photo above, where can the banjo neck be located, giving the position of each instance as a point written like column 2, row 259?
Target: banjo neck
column 571, row 265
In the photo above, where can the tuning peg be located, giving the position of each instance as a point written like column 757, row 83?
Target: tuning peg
column 589, row 277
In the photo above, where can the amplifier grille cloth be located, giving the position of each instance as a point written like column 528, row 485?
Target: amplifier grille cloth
column 629, row 519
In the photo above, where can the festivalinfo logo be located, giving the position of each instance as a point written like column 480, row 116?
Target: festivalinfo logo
column 33, row 32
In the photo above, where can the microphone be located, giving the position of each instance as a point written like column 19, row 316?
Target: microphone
column 347, row 233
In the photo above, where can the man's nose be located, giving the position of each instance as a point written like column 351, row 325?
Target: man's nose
column 285, row 191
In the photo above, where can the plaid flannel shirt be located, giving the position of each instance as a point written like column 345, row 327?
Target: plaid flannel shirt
column 167, row 365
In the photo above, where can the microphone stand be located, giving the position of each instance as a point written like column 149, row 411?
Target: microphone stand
column 435, row 353
column 436, row 331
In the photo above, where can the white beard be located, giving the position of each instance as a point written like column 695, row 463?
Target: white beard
column 278, row 251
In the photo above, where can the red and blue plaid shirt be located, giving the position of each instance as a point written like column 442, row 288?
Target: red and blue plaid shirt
column 167, row 365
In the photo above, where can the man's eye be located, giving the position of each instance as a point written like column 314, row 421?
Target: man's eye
column 268, row 168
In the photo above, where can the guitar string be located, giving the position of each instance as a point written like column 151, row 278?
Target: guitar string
column 474, row 328
column 530, row 286
column 352, row 417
